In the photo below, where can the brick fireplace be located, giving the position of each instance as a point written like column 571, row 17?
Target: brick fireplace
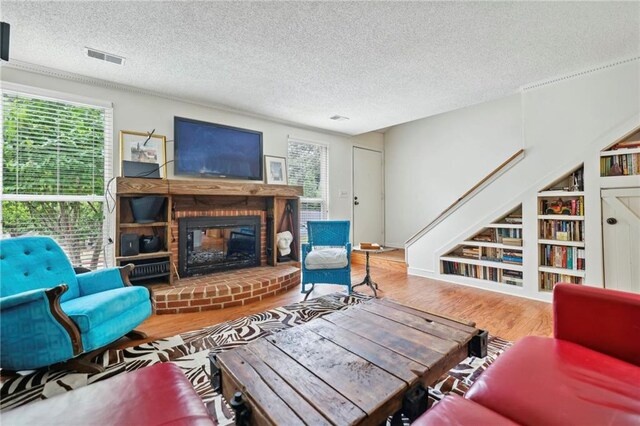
column 264, row 206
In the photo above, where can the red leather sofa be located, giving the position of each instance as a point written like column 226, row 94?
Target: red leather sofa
column 156, row 395
column 587, row 374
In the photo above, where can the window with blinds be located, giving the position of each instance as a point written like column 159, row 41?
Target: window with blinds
column 308, row 166
column 56, row 162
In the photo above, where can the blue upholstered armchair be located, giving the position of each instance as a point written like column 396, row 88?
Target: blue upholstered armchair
column 326, row 258
column 48, row 314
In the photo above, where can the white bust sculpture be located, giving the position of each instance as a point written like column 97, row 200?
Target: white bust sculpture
column 283, row 240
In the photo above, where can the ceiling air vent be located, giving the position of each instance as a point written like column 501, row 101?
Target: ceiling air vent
column 103, row 56
column 339, row 118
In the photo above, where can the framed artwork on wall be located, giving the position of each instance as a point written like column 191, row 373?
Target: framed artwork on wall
column 276, row 170
column 142, row 154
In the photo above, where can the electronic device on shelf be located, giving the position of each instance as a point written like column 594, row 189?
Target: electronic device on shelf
column 140, row 169
column 129, row 245
column 215, row 150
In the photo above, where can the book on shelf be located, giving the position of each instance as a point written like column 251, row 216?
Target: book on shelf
column 471, row 252
column 482, row 273
column 620, row 165
column 512, row 241
column 562, row 230
column 549, row 279
column 558, row 206
column 508, row 233
column 563, row 257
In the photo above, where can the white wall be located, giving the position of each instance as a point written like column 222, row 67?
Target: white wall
column 565, row 123
column 143, row 112
column 430, row 162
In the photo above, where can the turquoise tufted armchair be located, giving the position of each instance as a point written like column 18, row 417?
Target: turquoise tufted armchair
column 48, row 314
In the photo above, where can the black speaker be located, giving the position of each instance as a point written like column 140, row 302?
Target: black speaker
column 129, row 244
column 4, row 41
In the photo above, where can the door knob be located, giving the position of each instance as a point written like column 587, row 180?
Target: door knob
column 357, row 203
column 612, row 221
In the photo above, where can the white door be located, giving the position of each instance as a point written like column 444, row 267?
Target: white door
column 621, row 237
column 368, row 196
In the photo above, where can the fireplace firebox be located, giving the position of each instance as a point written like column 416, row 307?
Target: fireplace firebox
column 211, row 244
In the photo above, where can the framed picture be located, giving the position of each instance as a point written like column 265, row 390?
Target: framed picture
column 143, row 147
column 276, row 170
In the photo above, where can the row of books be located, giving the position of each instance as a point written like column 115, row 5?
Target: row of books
column 562, row 230
column 562, row 257
column 482, row 273
column 620, row 165
column 492, row 254
column 548, row 280
column 559, row 206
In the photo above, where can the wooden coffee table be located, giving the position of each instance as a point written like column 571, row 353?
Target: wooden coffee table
column 351, row 367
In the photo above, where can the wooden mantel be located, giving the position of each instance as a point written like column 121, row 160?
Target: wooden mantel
column 142, row 186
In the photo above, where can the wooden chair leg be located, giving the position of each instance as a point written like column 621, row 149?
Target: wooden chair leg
column 81, row 364
column 308, row 292
column 136, row 335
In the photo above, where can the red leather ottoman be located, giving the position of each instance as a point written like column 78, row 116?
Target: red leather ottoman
column 156, row 395
column 454, row 410
column 552, row 381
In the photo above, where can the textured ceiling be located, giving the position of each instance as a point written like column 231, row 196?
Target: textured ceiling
column 379, row 63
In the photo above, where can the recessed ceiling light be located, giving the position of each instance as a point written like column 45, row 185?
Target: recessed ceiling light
column 103, row 56
column 339, row 118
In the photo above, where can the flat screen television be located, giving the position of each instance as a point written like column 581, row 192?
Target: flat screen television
column 214, row 150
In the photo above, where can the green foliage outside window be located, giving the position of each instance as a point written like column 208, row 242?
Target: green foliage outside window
column 54, row 149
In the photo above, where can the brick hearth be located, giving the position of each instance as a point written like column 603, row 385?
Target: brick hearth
column 224, row 289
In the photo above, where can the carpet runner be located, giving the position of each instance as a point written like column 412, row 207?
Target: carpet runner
column 189, row 351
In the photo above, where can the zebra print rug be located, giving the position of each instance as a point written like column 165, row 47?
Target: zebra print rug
column 189, row 351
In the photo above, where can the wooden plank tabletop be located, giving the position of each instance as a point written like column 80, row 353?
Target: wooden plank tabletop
column 351, row 367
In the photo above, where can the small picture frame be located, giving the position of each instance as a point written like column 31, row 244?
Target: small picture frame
column 143, row 147
column 276, row 170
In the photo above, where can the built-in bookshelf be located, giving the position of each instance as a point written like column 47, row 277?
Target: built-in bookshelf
column 492, row 255
column 561, row 231
column 620, row 163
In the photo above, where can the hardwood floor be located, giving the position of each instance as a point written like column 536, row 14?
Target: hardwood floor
column 506, row 316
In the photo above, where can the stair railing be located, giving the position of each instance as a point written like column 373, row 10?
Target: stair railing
column 484, row 182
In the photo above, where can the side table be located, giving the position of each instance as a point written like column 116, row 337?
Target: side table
column 367, row 278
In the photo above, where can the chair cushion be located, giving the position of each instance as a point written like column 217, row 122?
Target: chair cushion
column 156, row 395
column 454, row 410
column 327, row 258
column 90, row 311
column 552, row 381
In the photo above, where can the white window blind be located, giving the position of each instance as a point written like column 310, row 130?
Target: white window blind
column 56, row 160
column 308, row 166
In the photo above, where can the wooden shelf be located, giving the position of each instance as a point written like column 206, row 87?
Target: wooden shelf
column 560, row 217
column 142, row 225
column 498, row 265
column 142, row 186
column 562, row 243
column 489, row 244
column 141, row 256
column 621, row 151
column 505, row 225
column 628, row 181
column 572, row 272
column 560, row 193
